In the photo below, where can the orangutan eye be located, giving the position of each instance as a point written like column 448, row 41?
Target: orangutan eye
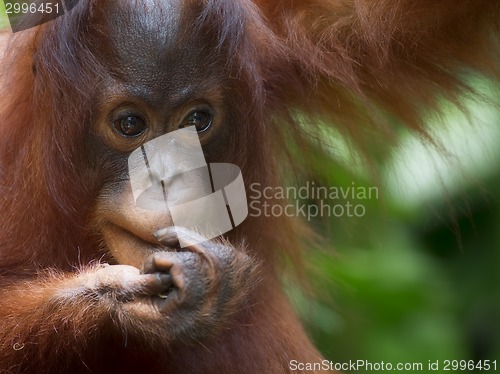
column 130, row 126
column 201, row 119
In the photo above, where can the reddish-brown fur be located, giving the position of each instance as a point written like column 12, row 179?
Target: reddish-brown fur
column 344, row 62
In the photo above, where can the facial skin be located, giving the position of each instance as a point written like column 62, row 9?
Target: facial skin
column 155, row 82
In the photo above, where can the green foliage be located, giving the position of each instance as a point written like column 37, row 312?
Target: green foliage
column 4, row 22
column 418, row 277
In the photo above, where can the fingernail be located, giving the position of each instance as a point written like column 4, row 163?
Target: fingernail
column 165, row 279
column 162, row 232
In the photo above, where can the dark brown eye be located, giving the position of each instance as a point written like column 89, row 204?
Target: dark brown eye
column 201, row 119
column 130, row 126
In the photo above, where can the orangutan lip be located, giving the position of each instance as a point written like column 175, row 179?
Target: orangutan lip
column 139, row 244
column 133, row 236
column 125, row 247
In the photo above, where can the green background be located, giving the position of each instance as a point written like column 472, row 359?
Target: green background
column 417, row 278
